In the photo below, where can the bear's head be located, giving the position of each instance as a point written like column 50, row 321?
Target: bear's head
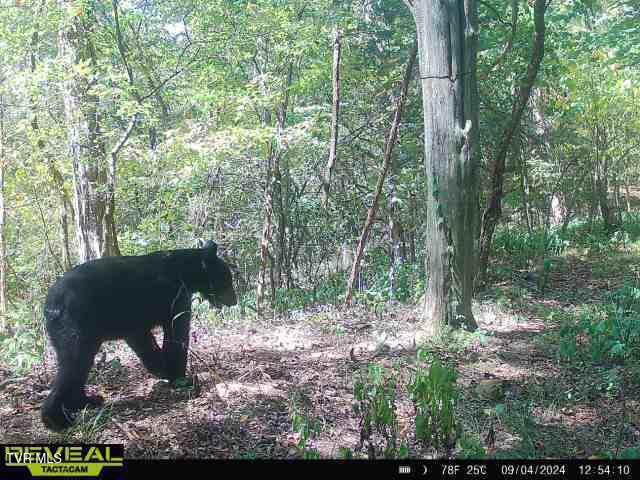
column 219, row 290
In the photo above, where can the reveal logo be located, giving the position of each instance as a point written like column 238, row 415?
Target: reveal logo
column 63, row 460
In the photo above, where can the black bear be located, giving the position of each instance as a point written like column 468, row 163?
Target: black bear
column 124, row 298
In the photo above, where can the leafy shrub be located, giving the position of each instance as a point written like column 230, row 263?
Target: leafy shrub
column 594, row 236
column 25, row 347
column 631, row 225
column 609, row 332
column 632, row 453
column 523, row 247
column 627, row 299
column 375, row 404
column 329, row 291
column 470, row 447
column 434, row 395
column 304, row 425
column 409, row 283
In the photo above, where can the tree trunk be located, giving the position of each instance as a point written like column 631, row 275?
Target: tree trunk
column 56, row 176
column 556, row 211
column 618, row 200
column 493, row 210
column 281, row 194
column 524, row 176
column 395, row 231
column 627, row 197
column 388, row 155
column 335, row 115
column 601, row 173
column 593, row 198
column 412, row 233
column 67, row 211
column 274, row 153
column 267, row 231
column 448, row 39
column 3, row 245
column 95, row 224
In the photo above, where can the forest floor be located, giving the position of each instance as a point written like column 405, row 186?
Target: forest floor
column 517, row 397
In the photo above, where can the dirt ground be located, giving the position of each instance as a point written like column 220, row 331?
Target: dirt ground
column 516, row 398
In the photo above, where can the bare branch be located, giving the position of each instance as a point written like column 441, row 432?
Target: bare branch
column 158, row 87
column 125, row 136
column 120, row 42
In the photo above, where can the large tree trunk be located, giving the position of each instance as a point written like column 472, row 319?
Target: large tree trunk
column 448, row 39
column 388, row 156
column 95, row 225
column 493, row 210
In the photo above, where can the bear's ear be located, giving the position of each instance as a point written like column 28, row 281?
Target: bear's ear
column 211, row 246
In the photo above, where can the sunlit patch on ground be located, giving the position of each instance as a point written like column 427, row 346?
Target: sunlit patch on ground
column 515, row 394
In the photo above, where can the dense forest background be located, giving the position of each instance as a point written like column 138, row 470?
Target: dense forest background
column 281, row 130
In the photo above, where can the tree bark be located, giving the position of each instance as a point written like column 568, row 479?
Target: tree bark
column 274, row 153
column 524, row 177
column 56, row 176
column 67, row 212
column 95, row 225
column 395, row 230
column 493, row 210
column 448, row 39
column 627, row 197
column 601, row 176
column 3, row 244
column 267, row 232
column 335, row 116
column 388, row 155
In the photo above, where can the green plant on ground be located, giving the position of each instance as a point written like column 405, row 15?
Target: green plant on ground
column 88, row 427
column 605, row 332
column 345, row 453
column 454, row 340
column 304, row 425
column 375, row 301
column 610, row 382
column 470, row 447
column 250, row 455
column 375, row 405
column 519, row 416
column 631, row 453
column 433, row 392
column 523, row 247
column 328, row 292
column 25, row 347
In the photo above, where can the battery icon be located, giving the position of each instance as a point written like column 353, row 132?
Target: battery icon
column 405, row 469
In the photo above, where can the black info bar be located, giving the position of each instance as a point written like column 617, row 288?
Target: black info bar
column 110, row 462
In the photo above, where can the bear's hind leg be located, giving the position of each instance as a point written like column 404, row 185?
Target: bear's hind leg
column 75, row 359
